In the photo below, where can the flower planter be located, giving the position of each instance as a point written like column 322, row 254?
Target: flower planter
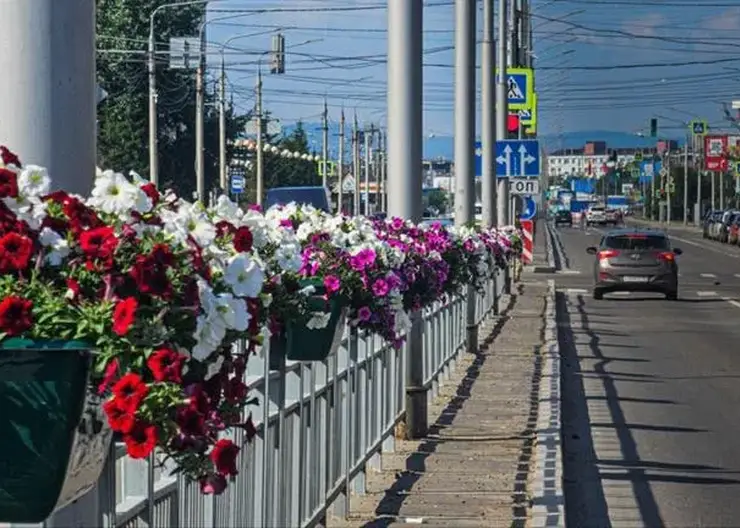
column 54, row 437
column 300, row 343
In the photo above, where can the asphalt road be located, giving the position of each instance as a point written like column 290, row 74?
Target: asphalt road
column 651, row 392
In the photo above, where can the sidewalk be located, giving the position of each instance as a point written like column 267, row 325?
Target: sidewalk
column 475, row 467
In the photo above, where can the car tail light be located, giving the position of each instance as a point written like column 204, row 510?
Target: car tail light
column 607, row 254
column 667, row 256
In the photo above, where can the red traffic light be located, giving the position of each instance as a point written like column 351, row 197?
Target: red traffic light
column 512, row 124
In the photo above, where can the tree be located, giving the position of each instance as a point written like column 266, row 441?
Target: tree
column 438, row 199
column 123, row 116
column 280, row 171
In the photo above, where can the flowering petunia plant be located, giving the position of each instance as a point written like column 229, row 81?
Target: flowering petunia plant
column 160, row 297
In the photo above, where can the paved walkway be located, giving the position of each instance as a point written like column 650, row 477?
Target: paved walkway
column 473, row 468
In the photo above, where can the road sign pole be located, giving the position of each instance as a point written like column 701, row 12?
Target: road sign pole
column 686, row 181
column 405, row 54
column 502, row 112
column 488, row 117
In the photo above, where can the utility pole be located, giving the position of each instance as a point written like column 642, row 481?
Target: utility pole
column 686, row 181
column 405, row 55
column 200, row 177
column 153, row 133
column 697, row 168
column 325, row 145
column 488, row 118
column 502, row 111
column 340, row 160
column 368, row 146
column 384, row 172
column 356, row 165
column 711, row 188
column 377, row 171
column 222, row 128
column 48, row 108
column 669, row 182
column 260, row 169
column 465, row 140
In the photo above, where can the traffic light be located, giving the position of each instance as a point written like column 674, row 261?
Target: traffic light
column 653, row 127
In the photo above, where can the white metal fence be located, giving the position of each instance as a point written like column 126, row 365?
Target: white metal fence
column 319, row 426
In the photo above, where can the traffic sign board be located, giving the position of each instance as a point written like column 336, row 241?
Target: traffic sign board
column 520, row 85
column 699, row 127
column 524, row 186
column 528, row 116
column 715, row 150
column 236, row 176
column 517, row 157
column 478, row 159
column 530, row 209
column 638, row 155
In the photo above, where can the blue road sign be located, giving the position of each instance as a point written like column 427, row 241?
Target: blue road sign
column 649, row 169
column 530, row 209
column 478, row 159
column 237, row 181
column 517, row 158
column 525, row 116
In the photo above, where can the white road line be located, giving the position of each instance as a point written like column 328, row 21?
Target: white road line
column 737, row 275
column 574, row 291
column 706, row 293
column 708, row 275
column 732, row 302
column 568, row 272
column 621, row 293
column 703, row 246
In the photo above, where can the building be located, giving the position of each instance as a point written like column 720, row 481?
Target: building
column 591, row 160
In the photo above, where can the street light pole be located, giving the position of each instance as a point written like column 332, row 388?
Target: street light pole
column 502, row 111
column 404, row 138
column 325, row 144
column 340, row 161
column 686, row 181
column 488, row 117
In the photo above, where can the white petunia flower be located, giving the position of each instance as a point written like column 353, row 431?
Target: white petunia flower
column 33, row 181
column 208, row 336
column 318, row 320
column 244, row 276
column 59, row 247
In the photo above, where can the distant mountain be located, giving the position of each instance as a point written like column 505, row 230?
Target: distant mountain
column 443, row 146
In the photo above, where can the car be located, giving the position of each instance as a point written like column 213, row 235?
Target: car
column 612, row 216
column 635, row 260
column 596, row 214
column 563, row 216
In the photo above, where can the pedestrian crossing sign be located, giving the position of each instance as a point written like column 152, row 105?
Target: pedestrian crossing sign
column 528, row 117
column 520, row 88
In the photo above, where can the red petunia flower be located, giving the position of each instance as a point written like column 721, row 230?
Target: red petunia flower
column 166, row 365
column 8, row 183
column 223, row 455
column 151, row 191
column 243, row 240
column 131, row 390
column 140, row 440
column 109, row 377
column 15, row 252
column 124, row 315
column 8, row 157
column 15, row 315
column 99, row 242
column 190, row 421
column 120, row 417
column 224, row 228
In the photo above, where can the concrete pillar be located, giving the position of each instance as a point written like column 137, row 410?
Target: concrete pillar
column 48, row 97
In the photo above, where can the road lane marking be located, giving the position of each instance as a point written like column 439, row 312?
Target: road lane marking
column 568, row 272
column 574, row 291
column 733, row 302
column 703, row 246
column 708, row 275
column 706, row 293
column 737, row 275
column 622, row 293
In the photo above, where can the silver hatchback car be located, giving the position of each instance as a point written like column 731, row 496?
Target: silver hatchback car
column 635, row 260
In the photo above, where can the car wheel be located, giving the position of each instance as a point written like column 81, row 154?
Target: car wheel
column 598, row 294
column 672, row 295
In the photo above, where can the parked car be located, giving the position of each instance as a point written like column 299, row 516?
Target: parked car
column 734, row 230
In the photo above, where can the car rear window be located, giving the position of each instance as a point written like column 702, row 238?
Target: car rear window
column 636, row 241
column 597, row 209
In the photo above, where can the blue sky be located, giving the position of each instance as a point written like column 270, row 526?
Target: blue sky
column 597, row 61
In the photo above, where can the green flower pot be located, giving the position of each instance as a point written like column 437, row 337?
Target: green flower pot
column 54, row 437
column 299, row 342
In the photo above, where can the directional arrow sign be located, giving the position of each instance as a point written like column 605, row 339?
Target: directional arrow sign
column 517, row 158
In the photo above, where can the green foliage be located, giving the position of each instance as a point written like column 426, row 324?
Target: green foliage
column 123, row 116
column 438, row 199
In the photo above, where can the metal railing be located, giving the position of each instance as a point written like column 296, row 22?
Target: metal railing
column 320, row 425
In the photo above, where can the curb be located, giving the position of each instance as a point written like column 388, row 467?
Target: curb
column 546, row 484
column 551, row 267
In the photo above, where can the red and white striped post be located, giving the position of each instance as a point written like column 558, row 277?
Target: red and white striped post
column 527, row 240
